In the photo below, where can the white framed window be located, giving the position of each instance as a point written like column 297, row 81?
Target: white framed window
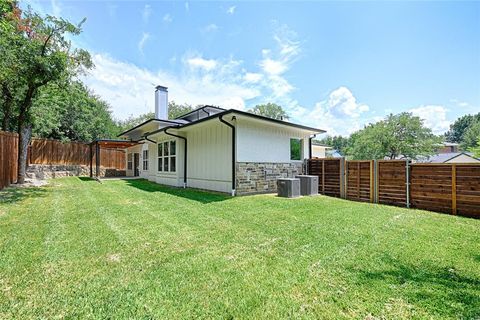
column 130, row 161
column 145, row 160
column 167, row 156
column 296, row 149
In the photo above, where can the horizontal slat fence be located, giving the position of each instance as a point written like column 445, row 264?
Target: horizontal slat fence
column 391, row 182
column 330, row 175
column 359, row 179
column 54, row 152
column 452, row 188
column 8, row 158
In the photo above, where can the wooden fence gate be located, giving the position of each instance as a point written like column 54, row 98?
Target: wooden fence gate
column 359, row 180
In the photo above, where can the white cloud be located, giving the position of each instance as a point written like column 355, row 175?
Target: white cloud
column 147, row 12
column 167, row 18
column 434, row 116
column 56, row 9
column 187, row 6
column 253, row 77
column 143, row 41
column 339, row 114
column 212, row 27
column 130, row 89
column 231, row 10
column 199, row 62
column 273, row 67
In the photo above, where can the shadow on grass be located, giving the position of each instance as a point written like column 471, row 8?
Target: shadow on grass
column 16, row 194
column 443, row 291
column 87, row 179
column 191, row 194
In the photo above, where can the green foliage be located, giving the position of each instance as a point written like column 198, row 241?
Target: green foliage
column 402, row 135
column 69, row 111
column 270, row 110
column 176, row 110
column 338, row 143
column 471, row 135
column 133, row 121
column 460, row 127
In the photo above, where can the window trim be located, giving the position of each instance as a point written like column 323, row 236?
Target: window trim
column 300, row 151
column 130, row 161
column 167, row 157
column 145, row 160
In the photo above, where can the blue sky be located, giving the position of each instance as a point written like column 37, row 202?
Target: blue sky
column 333, row 65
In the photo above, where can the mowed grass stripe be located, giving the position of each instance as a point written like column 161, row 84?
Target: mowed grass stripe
column 134, row 249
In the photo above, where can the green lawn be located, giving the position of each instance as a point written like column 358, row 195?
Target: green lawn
column 133, row 249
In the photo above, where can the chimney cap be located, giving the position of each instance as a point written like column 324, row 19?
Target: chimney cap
column 161, row 88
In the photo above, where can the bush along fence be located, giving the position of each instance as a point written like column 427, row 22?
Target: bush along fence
column 53, row 158
column 452, row 188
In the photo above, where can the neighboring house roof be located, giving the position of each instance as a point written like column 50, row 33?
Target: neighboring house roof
column 316, row 143
column 181, row 121
column 444, row 157
column 334, row 153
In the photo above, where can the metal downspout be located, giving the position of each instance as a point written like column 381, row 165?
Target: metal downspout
column 233, row 152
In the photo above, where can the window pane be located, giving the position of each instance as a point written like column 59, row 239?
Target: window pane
column 165, row 148
column 295, row 149
column 160, row 164
column 160, row 148
column 165, row 165
column 130, row 155
column 173, row 148
column 173, row 164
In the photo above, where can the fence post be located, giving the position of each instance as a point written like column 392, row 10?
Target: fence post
column 407, row 181
column 377, row 179
column 323, row 176
column 345, row 190
column 372, row 176
column 454, row 189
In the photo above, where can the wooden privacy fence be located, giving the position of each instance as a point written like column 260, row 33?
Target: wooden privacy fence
column 449, row 188
column 8, row 158
column 54, row 152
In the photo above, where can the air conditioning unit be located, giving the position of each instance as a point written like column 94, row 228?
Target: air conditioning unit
column 308, row 185
column 288, row 187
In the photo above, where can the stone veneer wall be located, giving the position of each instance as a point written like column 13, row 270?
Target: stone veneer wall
column 261, row 177
column 42, row 171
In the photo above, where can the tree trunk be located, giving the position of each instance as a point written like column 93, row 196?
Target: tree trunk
column 7, row 107
column 24, row 134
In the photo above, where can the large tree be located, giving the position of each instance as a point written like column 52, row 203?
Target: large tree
column 42, row 54
column 470, row 137
column 270, row 110
column 476, row 149
column 338, row 143
column 460, row 127
column 176, row 110
column 70, row 111
column 397, row 136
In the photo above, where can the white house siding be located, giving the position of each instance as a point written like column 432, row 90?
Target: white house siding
column 263, row 155
column 264, row 142
column 209, row 163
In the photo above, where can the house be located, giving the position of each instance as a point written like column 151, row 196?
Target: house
column 319, row 150
column 217, row 149
column 448, row 147
column 453, row 157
